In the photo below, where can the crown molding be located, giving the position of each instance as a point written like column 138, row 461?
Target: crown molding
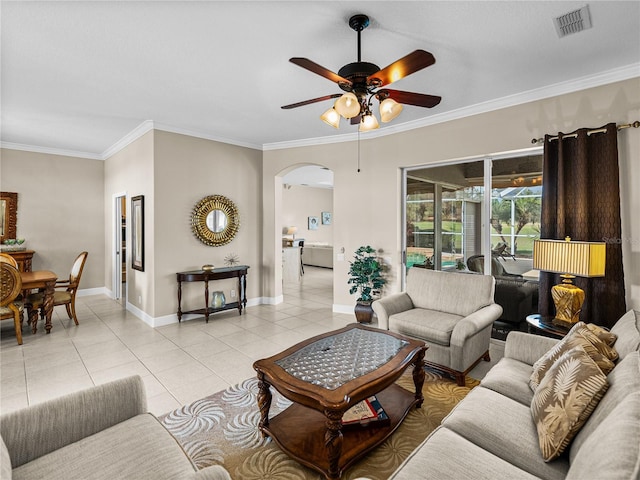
column 562, row 88
column 50, row 151
column 205, row 136
column 129, row 138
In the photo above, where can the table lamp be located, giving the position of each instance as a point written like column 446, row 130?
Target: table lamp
column 292, row 231
column 570, row 259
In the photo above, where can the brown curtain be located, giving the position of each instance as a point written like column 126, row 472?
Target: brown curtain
column 581, row 199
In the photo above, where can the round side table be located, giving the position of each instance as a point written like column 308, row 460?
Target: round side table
column 537, row 323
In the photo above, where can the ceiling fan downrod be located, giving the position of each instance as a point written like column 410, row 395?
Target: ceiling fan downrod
column 358, row 23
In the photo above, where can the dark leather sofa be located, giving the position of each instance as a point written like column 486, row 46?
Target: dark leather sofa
column 517, row 296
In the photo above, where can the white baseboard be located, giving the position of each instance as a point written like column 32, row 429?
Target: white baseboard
column 273, row 300
column 173, row 317
column 85, row 292
column 348, row 309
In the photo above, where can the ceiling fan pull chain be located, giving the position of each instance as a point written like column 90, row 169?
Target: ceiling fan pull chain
column 358, row 151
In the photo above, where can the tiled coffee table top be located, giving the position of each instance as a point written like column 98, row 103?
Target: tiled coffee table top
column 333, row 361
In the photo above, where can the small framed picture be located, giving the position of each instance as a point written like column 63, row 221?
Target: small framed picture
column 326, row 218
column 313, row 223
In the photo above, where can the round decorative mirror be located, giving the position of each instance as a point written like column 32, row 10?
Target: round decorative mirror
column 215, row 220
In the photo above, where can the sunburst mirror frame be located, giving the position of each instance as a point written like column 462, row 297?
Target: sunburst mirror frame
column 199, row 220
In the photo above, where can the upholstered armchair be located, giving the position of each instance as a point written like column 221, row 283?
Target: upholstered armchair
column 452, row 312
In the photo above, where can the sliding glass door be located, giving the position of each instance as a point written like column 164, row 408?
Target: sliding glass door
column 460, row 215
column 443, row 216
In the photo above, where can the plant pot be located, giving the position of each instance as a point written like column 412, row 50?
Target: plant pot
column 364, row 312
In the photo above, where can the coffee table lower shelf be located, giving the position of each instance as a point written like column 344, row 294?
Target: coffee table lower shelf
column 299, row 431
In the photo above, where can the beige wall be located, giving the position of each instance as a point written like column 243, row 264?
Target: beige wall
column 367, row 205
column 186, row 170
column 60, row 210
column 299, row 203
column 66, row 204
column 130, row 172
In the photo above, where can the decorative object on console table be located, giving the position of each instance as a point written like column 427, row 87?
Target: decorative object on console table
column 231, row 260
column 218, row 300
column 570, row 259
column 365, row 278
column 313, row 223
column 137, row 232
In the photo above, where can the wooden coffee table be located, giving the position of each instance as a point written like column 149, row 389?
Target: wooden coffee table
column 324, row 376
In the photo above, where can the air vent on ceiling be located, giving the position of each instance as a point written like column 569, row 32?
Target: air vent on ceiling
column 573, row 22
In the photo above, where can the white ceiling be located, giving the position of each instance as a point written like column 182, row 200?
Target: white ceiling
column 81, row 77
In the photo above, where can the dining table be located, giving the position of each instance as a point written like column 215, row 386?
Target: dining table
column 44, row 280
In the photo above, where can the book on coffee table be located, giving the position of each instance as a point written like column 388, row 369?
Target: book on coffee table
column 365, row 413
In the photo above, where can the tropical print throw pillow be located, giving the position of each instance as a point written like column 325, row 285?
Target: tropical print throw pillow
column 564, row 400
column 579, row 335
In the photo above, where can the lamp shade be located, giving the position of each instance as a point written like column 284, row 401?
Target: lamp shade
column 369, row 122
column 389, row 109
column 348, row 105
column 291, row 230
column 582, row 259
column 331, row 117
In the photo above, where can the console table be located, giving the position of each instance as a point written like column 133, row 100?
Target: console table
column 239, row 272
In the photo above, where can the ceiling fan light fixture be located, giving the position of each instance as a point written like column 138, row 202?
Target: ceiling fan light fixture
column 348, row 105
column 331, row 117
column 369, row 122
column 389, row 109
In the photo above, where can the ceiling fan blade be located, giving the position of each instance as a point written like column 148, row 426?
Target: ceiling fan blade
column 409, row 98
column 313, row 100
column 319, row 69
column 407, row 65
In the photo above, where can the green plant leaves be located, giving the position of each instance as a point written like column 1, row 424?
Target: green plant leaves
column 365, row 274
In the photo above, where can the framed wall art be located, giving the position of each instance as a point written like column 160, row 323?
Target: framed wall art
column 8, row 215
column 137, row 233
column 326, row 218
column 313, row 223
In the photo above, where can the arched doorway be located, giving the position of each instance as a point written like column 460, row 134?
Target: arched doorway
column 306, row 221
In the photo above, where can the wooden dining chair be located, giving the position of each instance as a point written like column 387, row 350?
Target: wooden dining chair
column 9, row 259
column 10, row 307
column 65, row 293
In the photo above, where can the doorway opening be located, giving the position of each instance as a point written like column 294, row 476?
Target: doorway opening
column 119, row 250
column 306, row 223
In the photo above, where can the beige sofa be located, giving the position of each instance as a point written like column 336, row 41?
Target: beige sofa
column 491, row 434
column 103, row 432
column 452, row 312
column 318, row 255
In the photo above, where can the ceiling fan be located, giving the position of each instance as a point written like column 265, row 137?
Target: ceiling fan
column 363, row 80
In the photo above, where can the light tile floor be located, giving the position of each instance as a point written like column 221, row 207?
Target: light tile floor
column 179, row 363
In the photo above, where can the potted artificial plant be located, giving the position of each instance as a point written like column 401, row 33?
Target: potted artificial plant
column 365, row 278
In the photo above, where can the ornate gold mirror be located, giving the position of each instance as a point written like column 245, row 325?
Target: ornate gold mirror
column 215, row 220
column 8, row 215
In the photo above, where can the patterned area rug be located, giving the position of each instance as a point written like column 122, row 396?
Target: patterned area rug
column 223, row 429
